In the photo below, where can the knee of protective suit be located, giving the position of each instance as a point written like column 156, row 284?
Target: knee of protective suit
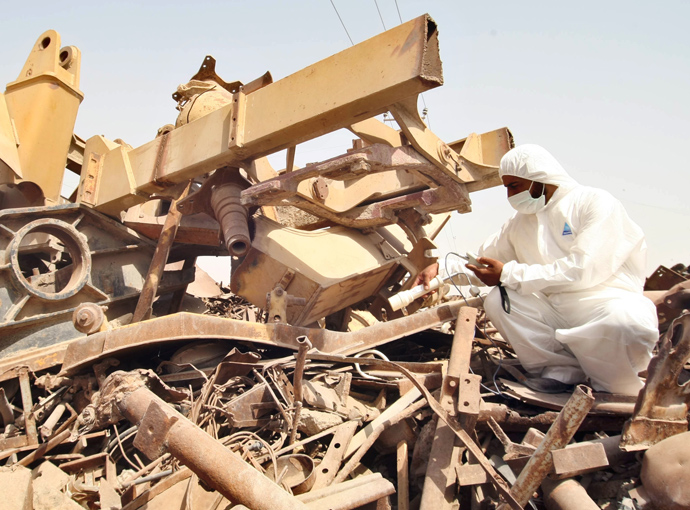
column 492, row 304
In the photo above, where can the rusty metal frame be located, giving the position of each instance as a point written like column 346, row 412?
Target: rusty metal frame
column 187, row 326
column 353, row 179
column 662, row 405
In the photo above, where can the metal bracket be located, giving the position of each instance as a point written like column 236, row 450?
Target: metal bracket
column 384, row 246
column 153, row 431
column 277, row 302
column 93, row 171
column 239, row 109
column 425, row 141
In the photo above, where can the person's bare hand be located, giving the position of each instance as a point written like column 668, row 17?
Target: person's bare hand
column 426, row 275
column 489, row 275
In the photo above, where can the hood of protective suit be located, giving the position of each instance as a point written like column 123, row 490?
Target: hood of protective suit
column 535, row 163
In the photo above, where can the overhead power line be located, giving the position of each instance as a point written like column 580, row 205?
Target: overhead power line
column 381, row 17
column 342, row 23
column 398, row 9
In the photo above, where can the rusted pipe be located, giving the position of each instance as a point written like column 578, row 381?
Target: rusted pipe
column 162, row 428
column 232, row 217
column 559, row 434
column 566, row 495
column 301, row 356
column 46, row 429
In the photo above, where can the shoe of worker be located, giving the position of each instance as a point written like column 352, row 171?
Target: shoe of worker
column 546, row 385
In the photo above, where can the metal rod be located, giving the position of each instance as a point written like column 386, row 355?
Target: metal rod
column 403, row 477
column 44, row 448
column 27, row 404
column 357, row 456
column 304, row 346
column 150, row 478
column 559, row 434
column 160, row 258
column 438, row 491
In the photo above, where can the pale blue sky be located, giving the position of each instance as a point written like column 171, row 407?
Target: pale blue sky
column 603, row 85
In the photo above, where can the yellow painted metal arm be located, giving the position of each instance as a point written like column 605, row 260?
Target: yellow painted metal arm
column 341, row 90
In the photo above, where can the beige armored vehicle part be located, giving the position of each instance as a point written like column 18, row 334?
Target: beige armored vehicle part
column 308, row 244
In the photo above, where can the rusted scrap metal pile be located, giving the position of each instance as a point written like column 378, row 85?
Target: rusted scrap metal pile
column 301, row 386
column 410, row 425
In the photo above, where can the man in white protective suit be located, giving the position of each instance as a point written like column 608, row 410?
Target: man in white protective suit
column 572, row 264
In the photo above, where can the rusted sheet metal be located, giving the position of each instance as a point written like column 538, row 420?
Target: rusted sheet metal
column 671, row 304
column 578, row 459
column 566, row 495
column 604, row 403
column 560, row 433
column 35, row 360
column 439, row 489
column 162, row 428
column 470, row 474
column 188, row 326
column 247, row 409
column 662, row 405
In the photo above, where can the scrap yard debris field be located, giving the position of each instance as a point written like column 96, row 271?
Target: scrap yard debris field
column 130, row 380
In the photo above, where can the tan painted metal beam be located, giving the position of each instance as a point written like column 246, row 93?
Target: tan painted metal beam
column 339, row 91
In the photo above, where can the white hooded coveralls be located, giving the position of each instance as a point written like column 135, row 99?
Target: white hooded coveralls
column 574, row 273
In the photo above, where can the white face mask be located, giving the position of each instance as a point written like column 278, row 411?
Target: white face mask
column 525, row 203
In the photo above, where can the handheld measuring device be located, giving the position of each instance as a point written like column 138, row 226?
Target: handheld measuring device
column 472, row 259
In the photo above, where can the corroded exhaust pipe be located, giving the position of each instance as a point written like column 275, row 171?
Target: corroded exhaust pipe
column 232, row 216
